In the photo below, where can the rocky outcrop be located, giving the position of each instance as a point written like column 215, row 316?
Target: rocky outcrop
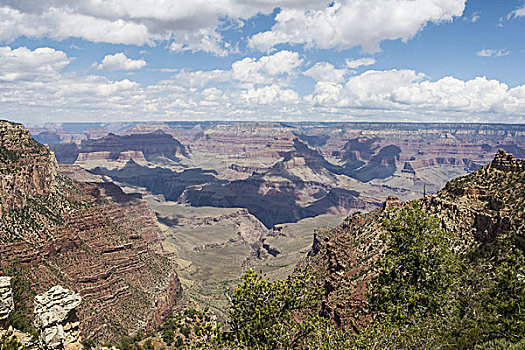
column 506, row 162
column 476, row 208
column 56, row 319
column 27, row 168
column 391, row 202
column 6, row 298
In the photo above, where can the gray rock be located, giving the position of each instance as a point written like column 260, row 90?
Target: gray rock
column 56, row 319
column 6, row 298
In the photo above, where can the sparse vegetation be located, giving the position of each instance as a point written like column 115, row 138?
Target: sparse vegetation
column 9, row 342
column 21, row 284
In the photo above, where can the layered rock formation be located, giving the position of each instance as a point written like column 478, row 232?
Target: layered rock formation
column 56, row 319
column 113, row 147
column 303, row 165
column 6, row 298
column 476, row 207
column 27, row 168
column 89, row 237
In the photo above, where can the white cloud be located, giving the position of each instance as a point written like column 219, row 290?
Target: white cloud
column 25, row 64
column 200, row 79
column 204, row 40
column 196, row 25
column 62, row 23
column 350, row 23
column 519, row 12
column 365, row 61
column 119, row 61
column 34, row 86
column 324, row 71
column 406, row 90
column 475, row 17
column 492, row 52
column 278, row 69
column 267, row 69
column 187, row 25
column 270, row 94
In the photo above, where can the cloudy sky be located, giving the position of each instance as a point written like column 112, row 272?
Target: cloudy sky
column 292, row 60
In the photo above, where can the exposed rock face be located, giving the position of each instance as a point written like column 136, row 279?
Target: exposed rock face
column 91, row 238
column 26, row 167
column 391, row 202
column 299, row 166
column 506, row 162
column 6, row 298
column 56, row 319
column 114, row 147
column 476, row 207
column 276, row 195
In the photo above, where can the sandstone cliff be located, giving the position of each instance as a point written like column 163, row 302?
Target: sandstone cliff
column 27, row 168
column 88, row 237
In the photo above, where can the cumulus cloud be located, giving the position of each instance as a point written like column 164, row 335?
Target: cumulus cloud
column 68, row 96
column 200, row 79
column 365, row 61
column 34, row 83
column 349, row 23
column 406, row 90
column 187, row 25
column 324, row 71
column 197, row 25
column 492, row 52
column 270, row 94
column 204, row 40
column 267, row 69
column 119, row 61
column 61, row 23
column 25, row 64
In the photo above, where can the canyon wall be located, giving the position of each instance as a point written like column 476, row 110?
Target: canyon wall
column 86, row 236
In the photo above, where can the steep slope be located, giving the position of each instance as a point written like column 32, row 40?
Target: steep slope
column 476, row 207
column 89, row 237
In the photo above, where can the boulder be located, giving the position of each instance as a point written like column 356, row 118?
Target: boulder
column 56, row 319
column 6, row 298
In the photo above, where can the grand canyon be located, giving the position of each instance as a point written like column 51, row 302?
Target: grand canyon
column 229, row 196
column 262, row 175
column 145, row 219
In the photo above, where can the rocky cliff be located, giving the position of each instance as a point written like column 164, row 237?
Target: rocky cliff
column 89, row 237
column 476, row 207
column 27, row 168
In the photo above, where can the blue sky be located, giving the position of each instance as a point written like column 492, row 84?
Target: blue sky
column 292, row 60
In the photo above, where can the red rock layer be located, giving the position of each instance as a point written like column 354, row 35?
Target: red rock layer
column 91, row 238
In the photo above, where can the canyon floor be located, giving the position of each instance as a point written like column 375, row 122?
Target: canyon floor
column 211, row 252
